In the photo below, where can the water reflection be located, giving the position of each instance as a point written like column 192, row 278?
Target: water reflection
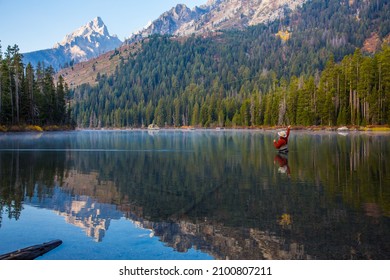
column 225, row 193
column 282, row 160
column 80, row 210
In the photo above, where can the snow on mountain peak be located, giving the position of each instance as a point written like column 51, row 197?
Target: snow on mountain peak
column 216, row 15
column 98, row 26
column 94, row 28
column 86, row 42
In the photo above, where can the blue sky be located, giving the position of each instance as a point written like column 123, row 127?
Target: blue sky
column 39, row 24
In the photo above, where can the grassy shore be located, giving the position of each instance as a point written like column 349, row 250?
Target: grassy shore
column 34, row 128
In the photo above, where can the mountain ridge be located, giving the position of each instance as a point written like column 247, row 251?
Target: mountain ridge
column 286, row 31
column 216, row 15
column 93, row 38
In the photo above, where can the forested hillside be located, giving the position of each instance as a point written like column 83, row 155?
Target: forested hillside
column 29, row 96
column 312, row 73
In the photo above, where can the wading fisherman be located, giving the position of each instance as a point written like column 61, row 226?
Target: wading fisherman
column 281, row 144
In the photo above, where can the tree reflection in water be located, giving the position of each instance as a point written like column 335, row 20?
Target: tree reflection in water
column 225, row 192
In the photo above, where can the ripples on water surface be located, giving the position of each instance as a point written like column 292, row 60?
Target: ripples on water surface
column 176, row 194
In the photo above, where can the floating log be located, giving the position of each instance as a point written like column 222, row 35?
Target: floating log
column 32, row 252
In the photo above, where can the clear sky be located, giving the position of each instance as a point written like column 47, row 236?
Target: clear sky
column 39, row 24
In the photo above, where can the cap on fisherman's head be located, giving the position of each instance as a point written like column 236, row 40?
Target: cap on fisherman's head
column 282, row 134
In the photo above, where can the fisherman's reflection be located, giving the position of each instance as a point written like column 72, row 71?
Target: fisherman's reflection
column 282, row 160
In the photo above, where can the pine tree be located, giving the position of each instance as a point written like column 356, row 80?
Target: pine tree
column 6, row 116
column 60, row 107
column 49, row 97
column 177, row 112
column 28, row 96
column 160, row 115
column 18, row 68
column 292, row 99
column 384, row 84
column 326, row 94
column 195, row 115
column 305, row 103
column 365, row 87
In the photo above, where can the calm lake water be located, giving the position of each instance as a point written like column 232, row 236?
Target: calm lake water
column 176, row 194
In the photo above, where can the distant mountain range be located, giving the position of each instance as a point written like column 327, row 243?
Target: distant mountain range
column 89, row 41
column 216, row 15
column 93, row 39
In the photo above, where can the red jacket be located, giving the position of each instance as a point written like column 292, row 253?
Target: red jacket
column 282, row 140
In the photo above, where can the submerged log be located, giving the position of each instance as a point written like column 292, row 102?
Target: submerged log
column 32, row 252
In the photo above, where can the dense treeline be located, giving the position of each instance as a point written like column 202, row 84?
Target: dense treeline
column 28, row 96
column 252, row 77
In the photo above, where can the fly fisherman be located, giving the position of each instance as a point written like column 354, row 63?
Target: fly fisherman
column 281, row 144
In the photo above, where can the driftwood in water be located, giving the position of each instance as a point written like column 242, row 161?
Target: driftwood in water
column 32, row 252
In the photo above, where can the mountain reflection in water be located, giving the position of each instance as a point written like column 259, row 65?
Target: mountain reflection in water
column 226, row 193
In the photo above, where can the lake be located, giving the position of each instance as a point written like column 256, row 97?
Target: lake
column 196, row 194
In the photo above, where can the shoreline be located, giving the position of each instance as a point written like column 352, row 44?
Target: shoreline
column 346, row 129
column 369, row 128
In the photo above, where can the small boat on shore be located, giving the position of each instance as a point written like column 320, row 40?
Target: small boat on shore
column 153, row 127
column 343, row 128
column 32, row 252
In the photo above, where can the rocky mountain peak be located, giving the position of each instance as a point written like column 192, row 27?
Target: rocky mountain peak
column 168, row 23
column 91, row 32
column 88, row 41
column 217, row 15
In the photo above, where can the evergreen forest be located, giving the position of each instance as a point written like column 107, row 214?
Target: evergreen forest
column 29, row 96
column 318, row 76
